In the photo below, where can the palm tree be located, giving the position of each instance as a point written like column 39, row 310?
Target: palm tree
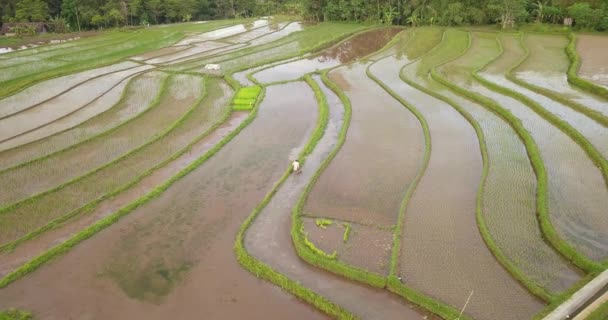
column 539, row 10
column 413, row 20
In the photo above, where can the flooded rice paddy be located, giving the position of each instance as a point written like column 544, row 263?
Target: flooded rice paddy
column 125, row 180
column 594, row 61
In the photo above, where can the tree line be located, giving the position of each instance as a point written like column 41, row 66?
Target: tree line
column 95, row 14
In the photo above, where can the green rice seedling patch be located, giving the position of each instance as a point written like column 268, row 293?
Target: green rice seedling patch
column 246, row 98
column 323, row 223
column 15, row 314
column 507, row 209
column 347, row 230
column 181, row 100
column 423, row 40
column 137, row 98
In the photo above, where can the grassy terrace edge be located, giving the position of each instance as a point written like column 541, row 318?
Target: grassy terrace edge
column 575, row 63
column 264, row 271
column 91, row 230
column 547, row 228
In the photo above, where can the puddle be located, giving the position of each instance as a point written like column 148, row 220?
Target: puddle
column 347, row 51
column 194, row 50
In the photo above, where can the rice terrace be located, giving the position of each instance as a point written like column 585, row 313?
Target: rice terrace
column 304, row 159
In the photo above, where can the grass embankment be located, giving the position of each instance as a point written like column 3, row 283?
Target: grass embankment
column 263, row 270
column 14, row 314
column 596, row 115
column 575, row 64
column 549, row 231
column 525, row 137
column 141, row 40
column 133, row 103
column 246, row 98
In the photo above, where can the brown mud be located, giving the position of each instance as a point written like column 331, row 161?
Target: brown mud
column 443, row 254
column 347, row 51
column 269, row 239
column 173, row 256
column 594, row 60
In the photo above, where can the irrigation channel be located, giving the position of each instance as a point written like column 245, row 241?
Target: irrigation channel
column 442, row 168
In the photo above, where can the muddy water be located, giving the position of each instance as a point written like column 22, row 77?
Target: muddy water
column 269, row 240
column 195, row 49
column 140, row 94
column 359, row 46
column 594, row 61
column 62, row 105
column 379, row 125
column 50, row 88
column 578, row 196
column 25, row 181
column 509, row 200
column 443, row 254
column 173, row 256
column 223, row 32
column 546, row 67
column 241, row 76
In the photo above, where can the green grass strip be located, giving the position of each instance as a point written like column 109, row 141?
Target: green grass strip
column 89, row 207
column 347, row 229
column 593, row 114
column 14, row 314
column 89, row 231
column 483, row 228
column 575, row 64
column 549, row 231
column 264, row 271
column 600, row 313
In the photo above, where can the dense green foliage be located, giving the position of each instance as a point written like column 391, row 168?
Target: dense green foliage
column 89, row 14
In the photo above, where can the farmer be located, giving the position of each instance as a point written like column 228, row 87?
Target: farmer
column 295, row 165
